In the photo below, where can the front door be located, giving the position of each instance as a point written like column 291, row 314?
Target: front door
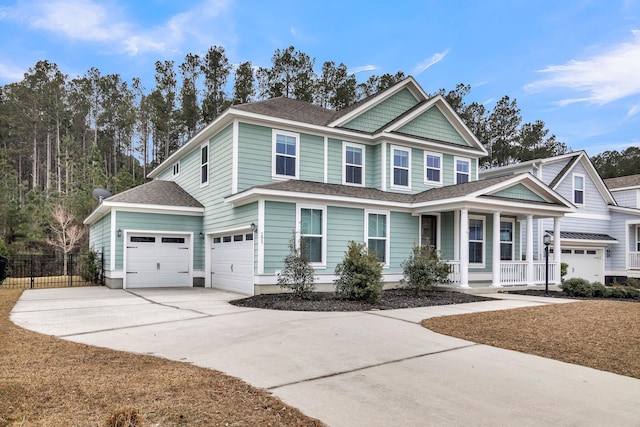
column 429, row 231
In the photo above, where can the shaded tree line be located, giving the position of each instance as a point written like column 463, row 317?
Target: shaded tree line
column 61, row 137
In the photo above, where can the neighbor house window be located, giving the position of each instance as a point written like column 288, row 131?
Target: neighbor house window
column 204, row 165
column 285, row 154
column 400, row 161
column 578, row 189
column 476, row 240
column 176, row 169
column 353, row 164
column 638, row 238
column 433, row 168
column 312, row 230
column 506, row 240
column 377, row 235
column 463, row 168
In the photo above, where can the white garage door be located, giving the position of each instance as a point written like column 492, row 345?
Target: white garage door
column 232, row 263
column 157, row 260
column 584, row 263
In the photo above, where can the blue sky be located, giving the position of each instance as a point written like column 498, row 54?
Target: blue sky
column 573, row 64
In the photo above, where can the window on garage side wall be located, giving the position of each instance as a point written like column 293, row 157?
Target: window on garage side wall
column 377, row 228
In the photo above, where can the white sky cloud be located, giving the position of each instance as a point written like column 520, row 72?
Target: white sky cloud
column 10, row 72
column 362, row 68
column 434, row 59
column 635, row 109
column 600, row 79
column 93, row 21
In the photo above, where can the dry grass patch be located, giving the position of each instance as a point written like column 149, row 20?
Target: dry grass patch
column 604, row 335
column 45, row 381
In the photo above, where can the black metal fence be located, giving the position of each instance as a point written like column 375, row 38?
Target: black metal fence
column 53, row 271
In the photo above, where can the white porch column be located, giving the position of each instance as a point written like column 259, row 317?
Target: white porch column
column 557, row 252
column 464, row 248
column 530, row 274
column 497, row 279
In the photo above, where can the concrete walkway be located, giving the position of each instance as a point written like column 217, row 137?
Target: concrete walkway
column 378, row 368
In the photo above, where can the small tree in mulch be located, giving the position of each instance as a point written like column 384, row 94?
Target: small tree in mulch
column 297, row 274
column 424, row 269
column 359, row 275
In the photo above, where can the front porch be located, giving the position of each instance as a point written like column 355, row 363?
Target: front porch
column 512, row 273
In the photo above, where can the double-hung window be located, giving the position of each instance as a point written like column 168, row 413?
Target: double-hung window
column 204, row 165
column 463, row 168
column 578, row 189
column 506, row 240
column 476, row 240
column 285, row 154
column 353, row 164
column 433, row 168
column 377, row 235
column 400, row 166
column 312, row 233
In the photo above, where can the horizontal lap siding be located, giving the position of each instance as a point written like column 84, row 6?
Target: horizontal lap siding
column 255, row 149
column 160, row 222
column 447, row 243
column 404, row 234
column 626, row 237
column 373, row 159
column 343, row 225
column 100, row 238
column 593, row 202
column 627, row 198
column 551, row 170
column 311, row 158
column 433, row 124
column 280, row 224
column 384, row 112
column 334, row 166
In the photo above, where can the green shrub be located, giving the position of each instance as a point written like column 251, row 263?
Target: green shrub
column 359, row 274
column 633, row 293
column 617, row 292
column 577, row 288
column 564, row 267
column 633, row 282
column 424, row 269
column 297, row 274
column 599, row 290
column 91, row 272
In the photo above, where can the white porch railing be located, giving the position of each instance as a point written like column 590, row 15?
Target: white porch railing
column 515, row 273
column 634, row 260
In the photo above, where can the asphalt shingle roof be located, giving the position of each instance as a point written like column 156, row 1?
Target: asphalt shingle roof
column 157, row 192
column 291, row 109
column 623, row 181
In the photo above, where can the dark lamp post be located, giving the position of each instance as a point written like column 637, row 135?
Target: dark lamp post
column 547, row 241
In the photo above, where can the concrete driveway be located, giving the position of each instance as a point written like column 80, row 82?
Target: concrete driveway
column 378, row 368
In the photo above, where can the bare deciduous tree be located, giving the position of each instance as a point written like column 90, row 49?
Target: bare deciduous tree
column 66, row 234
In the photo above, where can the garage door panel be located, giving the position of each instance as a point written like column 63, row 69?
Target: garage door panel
column 232, row 265
column 584, row 263
column 157, row 261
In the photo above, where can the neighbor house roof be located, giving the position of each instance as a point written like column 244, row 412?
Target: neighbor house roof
column 623, row 182
column 573, row 235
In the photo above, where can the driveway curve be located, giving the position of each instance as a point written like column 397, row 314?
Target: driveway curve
column 377, row 368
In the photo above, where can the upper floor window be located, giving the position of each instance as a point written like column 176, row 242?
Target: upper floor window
column 353, row 164
column 433, row 168
column 463, row 168
column 176, row 169
column 312, row 231
column 578, row 189
column 476, row 240
column 400, row 165
column 204, row 165
column 377, row 235
column 285, row 154
column 506, row 240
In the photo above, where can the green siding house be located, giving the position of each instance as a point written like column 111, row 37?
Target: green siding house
column 395, row 170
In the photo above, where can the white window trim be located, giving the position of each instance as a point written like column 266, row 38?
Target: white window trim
column 176, row 169
column 513, row 238
column 573, row 189
column 344, row 162
column 274, row 134
column 322, row 208
column 387, row 243
column 392, row 166
column 484, row 241
column 439, row 155
column 455, row 168
column 208, row 162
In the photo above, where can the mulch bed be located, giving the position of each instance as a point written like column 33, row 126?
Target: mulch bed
column 559, row 294
column 327, row 301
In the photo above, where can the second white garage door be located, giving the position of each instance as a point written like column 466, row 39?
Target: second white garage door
column 232, row 263
column 584, row 263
